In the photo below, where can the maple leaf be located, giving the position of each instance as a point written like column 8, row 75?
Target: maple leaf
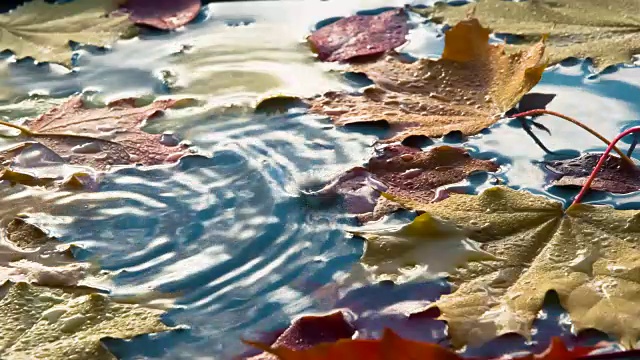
column 606, row 31
column 162, row 14
column 103, row 137
column 56, row 324
column 360, row 35
column 616, row 176
column 466, row 90
column 43, row 31
column 403, row 170
column 30, row 255
column 589, row 255
column 393, row 347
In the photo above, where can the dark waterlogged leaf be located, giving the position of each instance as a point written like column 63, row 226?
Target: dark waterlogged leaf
column 103, row 137
column 616, row 176
column 162, row 14
column 606, row 31
column 517, row 247
column 403, row 171
column 43, row 31
column 360, row 35
column 28, row 254
column 466, row 90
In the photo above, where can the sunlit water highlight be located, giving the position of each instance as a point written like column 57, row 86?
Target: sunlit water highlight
column 233, row 236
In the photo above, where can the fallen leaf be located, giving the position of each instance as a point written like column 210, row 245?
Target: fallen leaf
column 531, row 101
column 616, row 176
column 57, row 324
column 162, row 14
column 360, row 35
column 103, row 137
column 607, row 32
column 466, row 90
column 311, row 330
column 404, row 171
column 391, row 346
column 589, row 255
column 43, row 31
column 28, row 254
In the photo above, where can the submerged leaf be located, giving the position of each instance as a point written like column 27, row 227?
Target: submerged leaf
column 360, row 35
column 588, row 255
column 616, row 176
column 30, row 255
column 606, row 31
column 43, row 31
column 466, row 90
column 401, row 170
column 104, row 137
column 56, row 324
column 162, row 14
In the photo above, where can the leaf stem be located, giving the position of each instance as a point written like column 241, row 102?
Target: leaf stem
column 22, row 129
column 624, row 157
column 603, row 158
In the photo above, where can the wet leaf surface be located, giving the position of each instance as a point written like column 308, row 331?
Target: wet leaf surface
column 615, row 176
column 104, row 137
column 360, row 35
column 28, row 254
column 392, row 346
column 405, row 171
column 588, row 255
column 466, row 90
column 162, row 14
column 43, row 31
column 607, row 32
column 57, row 324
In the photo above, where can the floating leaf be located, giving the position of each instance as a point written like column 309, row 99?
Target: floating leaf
column 616, row 176
column 466, row 90
column 531, row 101
column 43, row 31
column 56, row 324
column 607, row 32
column 30, row 255
column 360, row 35
column 588, row 255
column 104, row 137
column 162, row 14
column 407, row 171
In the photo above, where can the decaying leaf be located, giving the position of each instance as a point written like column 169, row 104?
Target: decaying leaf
column 57, row 324
column 360, row 35
column 606, row 31
column 103, row 137
column 403, row 170
column 616, row 176
column 43, row 31
column 162, row 14
column 466, row 90
column 28, row 254
column 589, row 255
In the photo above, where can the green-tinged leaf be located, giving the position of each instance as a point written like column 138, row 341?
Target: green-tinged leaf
column 56, row 324
column 43, row 31
column 606, row 31
column 589, row 255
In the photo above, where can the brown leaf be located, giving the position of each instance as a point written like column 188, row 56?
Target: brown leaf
column 615, row 176
column 103, row 137
column 162, row 14
column 29, row 254
column 466, row 90
column 360, row 35
column 404, row 172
